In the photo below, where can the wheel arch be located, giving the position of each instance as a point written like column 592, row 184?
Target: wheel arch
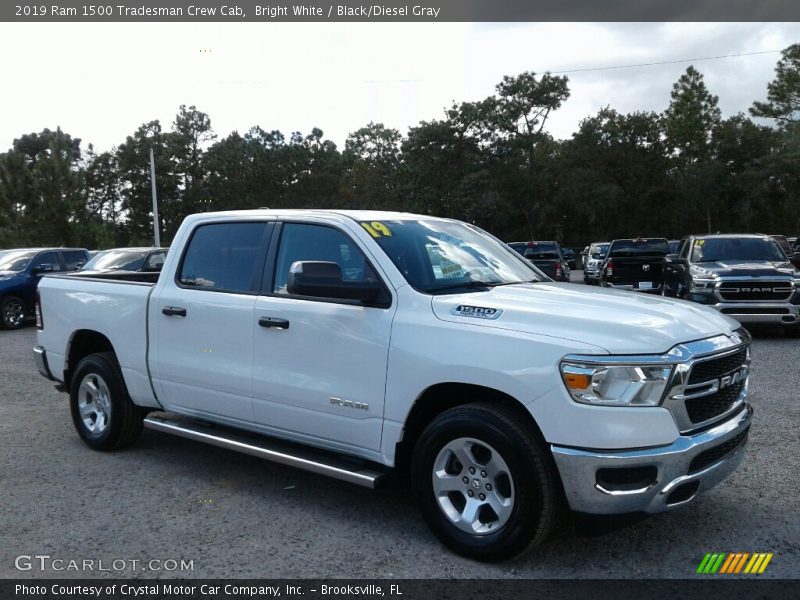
column 82, row 343
column 440, row 397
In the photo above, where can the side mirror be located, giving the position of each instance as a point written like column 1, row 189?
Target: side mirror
column 324, row 280
column 43, row 268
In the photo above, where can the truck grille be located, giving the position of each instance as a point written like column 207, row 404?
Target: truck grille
column 715, row 368
column 707, row 407
column 756, row 290
column 716, row 454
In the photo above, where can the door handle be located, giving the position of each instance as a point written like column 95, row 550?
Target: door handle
column 273, row 322
column 174, row 311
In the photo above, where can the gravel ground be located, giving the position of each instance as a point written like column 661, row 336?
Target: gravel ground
column 237, row 516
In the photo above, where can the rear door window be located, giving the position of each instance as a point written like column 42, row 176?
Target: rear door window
column 74, row 259
column 225, row 257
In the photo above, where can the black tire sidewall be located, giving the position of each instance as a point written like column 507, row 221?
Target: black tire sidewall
column 103, row 367
column 520, row 529
column 3, row 303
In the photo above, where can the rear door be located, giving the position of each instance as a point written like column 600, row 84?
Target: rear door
column 201, row 352
column 321, row 375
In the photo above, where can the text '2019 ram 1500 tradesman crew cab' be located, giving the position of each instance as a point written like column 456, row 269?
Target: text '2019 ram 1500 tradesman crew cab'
column 356, row 343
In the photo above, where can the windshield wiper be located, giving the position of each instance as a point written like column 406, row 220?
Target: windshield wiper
column 474, row 285
column 463, row 285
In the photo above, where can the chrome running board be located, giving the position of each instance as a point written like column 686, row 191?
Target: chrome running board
column 293, row 455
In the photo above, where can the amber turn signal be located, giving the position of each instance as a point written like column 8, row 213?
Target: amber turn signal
column 576, row 381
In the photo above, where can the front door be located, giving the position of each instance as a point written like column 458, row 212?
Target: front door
column 320, row 375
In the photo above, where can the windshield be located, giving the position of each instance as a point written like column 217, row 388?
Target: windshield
column 15, row 260
column 124, row 260
column 437, row 256
column 715, row 249
column 598, row 250
column 639, row 247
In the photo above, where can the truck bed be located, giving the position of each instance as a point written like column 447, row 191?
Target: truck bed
column 115, row 306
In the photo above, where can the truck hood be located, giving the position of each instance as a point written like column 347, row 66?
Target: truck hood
column 6, row 275
column 749, row 268
column 615, row 321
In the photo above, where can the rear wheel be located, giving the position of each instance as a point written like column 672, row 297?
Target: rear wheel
column 12, row 312
column 484, row 484
column 102, row 412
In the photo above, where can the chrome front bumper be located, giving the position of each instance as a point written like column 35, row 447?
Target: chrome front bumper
column 40, row 358
column 673, row 485
column 791, row 316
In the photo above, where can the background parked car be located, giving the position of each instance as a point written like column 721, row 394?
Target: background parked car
column 570, row 256
column 546, row 256
column 746, row 277
column 635, row 264
column 20, row 272
column 127, row 259
column 595, row 255
column 791, row 253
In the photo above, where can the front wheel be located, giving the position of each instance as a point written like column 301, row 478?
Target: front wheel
column 12, row 312
column 484, row 484
column 102, row 412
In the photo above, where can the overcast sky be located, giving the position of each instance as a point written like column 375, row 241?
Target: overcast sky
column 99, row 82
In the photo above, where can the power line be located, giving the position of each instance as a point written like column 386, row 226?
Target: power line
column 664, row 62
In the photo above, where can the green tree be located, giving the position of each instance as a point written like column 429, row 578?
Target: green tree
column 191, row 131
column 783, row 92
column 133, row 159
column 689, row 121
column 516, row 115
column 370, row 161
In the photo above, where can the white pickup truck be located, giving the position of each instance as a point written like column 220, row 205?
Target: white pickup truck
column 354, row 344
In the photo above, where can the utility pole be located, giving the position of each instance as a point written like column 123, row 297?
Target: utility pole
column 157, row 233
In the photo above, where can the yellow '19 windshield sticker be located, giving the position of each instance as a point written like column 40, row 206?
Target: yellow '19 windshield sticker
column 377, row 229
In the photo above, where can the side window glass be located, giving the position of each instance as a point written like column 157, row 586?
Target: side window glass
column 223, row 257
column 155, row 261
column 301, row 242
column 47, row 258
column 74, row 259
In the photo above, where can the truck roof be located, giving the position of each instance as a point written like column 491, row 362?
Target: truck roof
column 357, row 215
column 707, row 236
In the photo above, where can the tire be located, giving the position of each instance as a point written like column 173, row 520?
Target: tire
column 482, row 450
column 102, row 412
column 12, row 313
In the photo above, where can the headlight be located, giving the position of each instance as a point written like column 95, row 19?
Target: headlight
column 616, row 385
column 702, row 279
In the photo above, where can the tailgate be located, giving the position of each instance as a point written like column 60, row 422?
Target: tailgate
column 548, row 267
column 642, row 272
